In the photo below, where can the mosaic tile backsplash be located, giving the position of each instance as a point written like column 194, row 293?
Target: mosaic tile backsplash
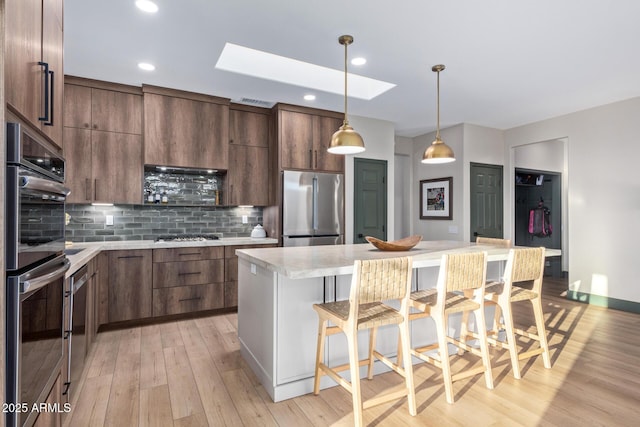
column 140, row 222
column 183, row 187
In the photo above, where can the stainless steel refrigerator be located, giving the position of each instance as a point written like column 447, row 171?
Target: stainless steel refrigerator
column 312, row 208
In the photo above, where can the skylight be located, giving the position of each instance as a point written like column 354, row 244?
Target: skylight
column 264, row 65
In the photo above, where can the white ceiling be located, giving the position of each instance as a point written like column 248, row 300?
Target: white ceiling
column 509, row 62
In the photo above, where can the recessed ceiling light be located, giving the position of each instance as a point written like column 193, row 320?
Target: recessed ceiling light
column 359, row 61
column 264, row 65
column 147, row 6
column 146, row 66
column 309, row 97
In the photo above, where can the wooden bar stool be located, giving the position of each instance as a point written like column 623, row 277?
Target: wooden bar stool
column 460, row 289
column 523, row 265
column 373, row 282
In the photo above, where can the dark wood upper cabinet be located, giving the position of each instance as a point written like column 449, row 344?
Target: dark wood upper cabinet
column 185, row 129
column 98, row 105
column 248, row 126
column 248, row 177
column 103, row 141
column 103, row 166
column 304, row 135
column 35, row 34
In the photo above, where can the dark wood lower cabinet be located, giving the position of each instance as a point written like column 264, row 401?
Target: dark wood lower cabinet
column 187, row 299
column 188, row 279
column 130, row 278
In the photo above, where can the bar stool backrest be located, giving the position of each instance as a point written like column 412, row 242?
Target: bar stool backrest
column 460, row 272
column 506, row 243
column 525, row 264
column 381, row 280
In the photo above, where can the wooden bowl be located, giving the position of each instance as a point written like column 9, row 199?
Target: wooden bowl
column 396, row 245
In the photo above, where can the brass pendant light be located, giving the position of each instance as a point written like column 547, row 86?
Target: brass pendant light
column 438, row 151
column 346, row 140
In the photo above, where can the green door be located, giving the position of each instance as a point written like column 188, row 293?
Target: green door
column 486, row 201
column 370, row 199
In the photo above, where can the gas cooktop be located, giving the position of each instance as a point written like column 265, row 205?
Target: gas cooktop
column 186, row 237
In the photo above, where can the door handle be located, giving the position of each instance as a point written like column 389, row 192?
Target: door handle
column 476, row 234
column 360, row 235
column 45, row 118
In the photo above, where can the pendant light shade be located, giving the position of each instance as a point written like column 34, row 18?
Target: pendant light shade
column 346, row 140
column 438, row 151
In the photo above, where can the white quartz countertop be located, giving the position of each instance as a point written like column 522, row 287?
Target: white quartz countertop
column 318, row 261
column 90, row 250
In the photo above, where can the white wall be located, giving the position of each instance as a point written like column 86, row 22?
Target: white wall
column 439, row 229
column 403, row 205
column 379, row 142
column 603, row 149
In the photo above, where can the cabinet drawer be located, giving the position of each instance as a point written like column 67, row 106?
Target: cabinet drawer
column 187, row 299
column 187, row 273
column 188, row 253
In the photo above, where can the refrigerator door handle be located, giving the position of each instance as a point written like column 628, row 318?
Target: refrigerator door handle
column 314, row 221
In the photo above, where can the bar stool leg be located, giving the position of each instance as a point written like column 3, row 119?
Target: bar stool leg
column 408, row 367
column 373, row 332
column 322, row 335
column 484, row 347
column 511, row 340
column 354, row 368
column 542, row 332
column 441, row 328
column 464, row 330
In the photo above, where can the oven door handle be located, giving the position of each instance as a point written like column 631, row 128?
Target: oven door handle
column 39, row 184
column 30, row 284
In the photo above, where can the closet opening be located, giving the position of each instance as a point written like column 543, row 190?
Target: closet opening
column 538, row 213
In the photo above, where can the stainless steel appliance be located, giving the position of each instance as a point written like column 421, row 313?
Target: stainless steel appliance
column 36, row 264
column 76, row 335
column 312, row 208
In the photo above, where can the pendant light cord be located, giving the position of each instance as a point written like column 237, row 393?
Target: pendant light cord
column 346, row 120
column 438, row 111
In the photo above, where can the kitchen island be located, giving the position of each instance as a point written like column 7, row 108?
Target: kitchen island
column 277, row 326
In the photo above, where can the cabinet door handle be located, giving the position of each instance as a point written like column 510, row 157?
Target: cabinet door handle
column 189, row 273
column 189, row 299
column 51, row 102
column 45, row 71
column 310, row 158
column 316, row 162
column 189, row 253
column 129, row 256
column 230, row 194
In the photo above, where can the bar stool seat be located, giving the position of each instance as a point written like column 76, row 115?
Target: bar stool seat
column 374, row 282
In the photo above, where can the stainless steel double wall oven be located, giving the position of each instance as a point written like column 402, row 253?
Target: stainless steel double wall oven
column 35, row 269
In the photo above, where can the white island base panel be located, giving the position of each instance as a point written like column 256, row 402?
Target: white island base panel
column 277, row 326
column 277, row 330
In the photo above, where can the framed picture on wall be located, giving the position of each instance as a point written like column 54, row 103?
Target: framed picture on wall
column 436, row 196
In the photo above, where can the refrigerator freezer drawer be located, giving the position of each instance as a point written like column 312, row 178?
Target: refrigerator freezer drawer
column 312, row 241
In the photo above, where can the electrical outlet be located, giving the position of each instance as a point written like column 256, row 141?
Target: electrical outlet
column 254, row 270
column 245, row 219
column 109, row 219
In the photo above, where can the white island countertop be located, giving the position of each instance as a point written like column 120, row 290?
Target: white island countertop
column 86, row 251
column 318, row 261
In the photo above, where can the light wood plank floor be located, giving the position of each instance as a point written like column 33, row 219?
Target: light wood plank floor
column 190, row 373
